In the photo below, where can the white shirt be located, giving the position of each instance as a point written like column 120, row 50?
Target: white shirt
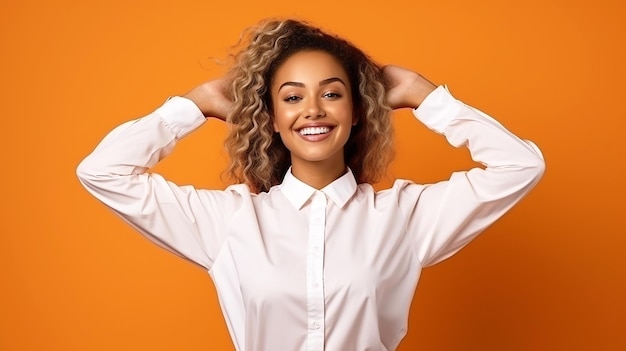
column 300, row 269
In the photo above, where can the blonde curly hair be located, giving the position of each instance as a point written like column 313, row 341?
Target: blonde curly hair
column 258, row 156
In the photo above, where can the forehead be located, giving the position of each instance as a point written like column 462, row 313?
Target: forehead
column 309, row 67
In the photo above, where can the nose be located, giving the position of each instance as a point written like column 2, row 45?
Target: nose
column 314, row 109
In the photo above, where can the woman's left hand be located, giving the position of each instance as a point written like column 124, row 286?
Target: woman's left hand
column 406, row 88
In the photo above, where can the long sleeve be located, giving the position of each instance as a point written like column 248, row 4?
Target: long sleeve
column 182, row 219
column 445, row 216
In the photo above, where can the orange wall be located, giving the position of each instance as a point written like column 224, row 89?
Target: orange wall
column 548, row 276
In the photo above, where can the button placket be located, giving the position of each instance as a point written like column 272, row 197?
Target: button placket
column 315, row 272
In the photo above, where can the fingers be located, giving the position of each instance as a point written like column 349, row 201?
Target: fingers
column 407, row 89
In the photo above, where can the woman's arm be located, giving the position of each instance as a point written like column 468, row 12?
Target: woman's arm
column 183, row 220
column 444, row 217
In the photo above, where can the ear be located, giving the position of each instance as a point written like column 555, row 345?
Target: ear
column 275, row 126
column 355, row 119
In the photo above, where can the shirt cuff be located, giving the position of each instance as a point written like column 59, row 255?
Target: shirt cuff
column 438, row 109
column 181, row 115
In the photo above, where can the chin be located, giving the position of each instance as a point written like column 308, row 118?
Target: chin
column 318, row 157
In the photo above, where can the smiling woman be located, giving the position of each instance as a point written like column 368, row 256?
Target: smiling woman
column 305, row 255
column 313, row 115
column 260, row 159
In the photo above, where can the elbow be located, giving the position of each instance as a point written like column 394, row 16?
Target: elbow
column 86, row 173
column 537, row 164
column 514, row 180
column 541, row 169
column 529, row 173
column 537, row 168
column 83, row 172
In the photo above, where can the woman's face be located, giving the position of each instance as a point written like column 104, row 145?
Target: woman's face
column 313, row 109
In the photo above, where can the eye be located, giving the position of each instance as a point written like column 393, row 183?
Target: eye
column 292, row 98
column 331, row 95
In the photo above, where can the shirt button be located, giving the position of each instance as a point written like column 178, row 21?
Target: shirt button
column 316, row 325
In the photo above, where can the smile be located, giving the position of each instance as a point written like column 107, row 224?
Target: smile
column 314, row 130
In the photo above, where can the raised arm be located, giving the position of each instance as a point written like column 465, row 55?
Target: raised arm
column 445, row 216
column 183, row 220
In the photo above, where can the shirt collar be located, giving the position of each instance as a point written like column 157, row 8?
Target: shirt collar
column 298, row 192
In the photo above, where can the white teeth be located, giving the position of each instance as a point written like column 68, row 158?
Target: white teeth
column 314, row 130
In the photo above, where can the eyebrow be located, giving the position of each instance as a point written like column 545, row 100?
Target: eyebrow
column 322, row 82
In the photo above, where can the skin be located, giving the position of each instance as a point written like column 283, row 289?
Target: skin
column 311, row 87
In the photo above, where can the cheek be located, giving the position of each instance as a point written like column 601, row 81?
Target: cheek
column 284, row 118
column 344, row 112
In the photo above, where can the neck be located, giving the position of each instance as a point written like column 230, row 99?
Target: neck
column 317, row 174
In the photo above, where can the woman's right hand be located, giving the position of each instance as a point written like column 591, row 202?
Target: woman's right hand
column 211, row 98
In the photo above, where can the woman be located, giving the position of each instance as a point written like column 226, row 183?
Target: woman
column 305, row 255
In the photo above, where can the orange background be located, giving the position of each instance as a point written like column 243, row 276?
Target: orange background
column 548, row 276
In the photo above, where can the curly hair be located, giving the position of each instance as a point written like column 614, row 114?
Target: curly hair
column 258, row 156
